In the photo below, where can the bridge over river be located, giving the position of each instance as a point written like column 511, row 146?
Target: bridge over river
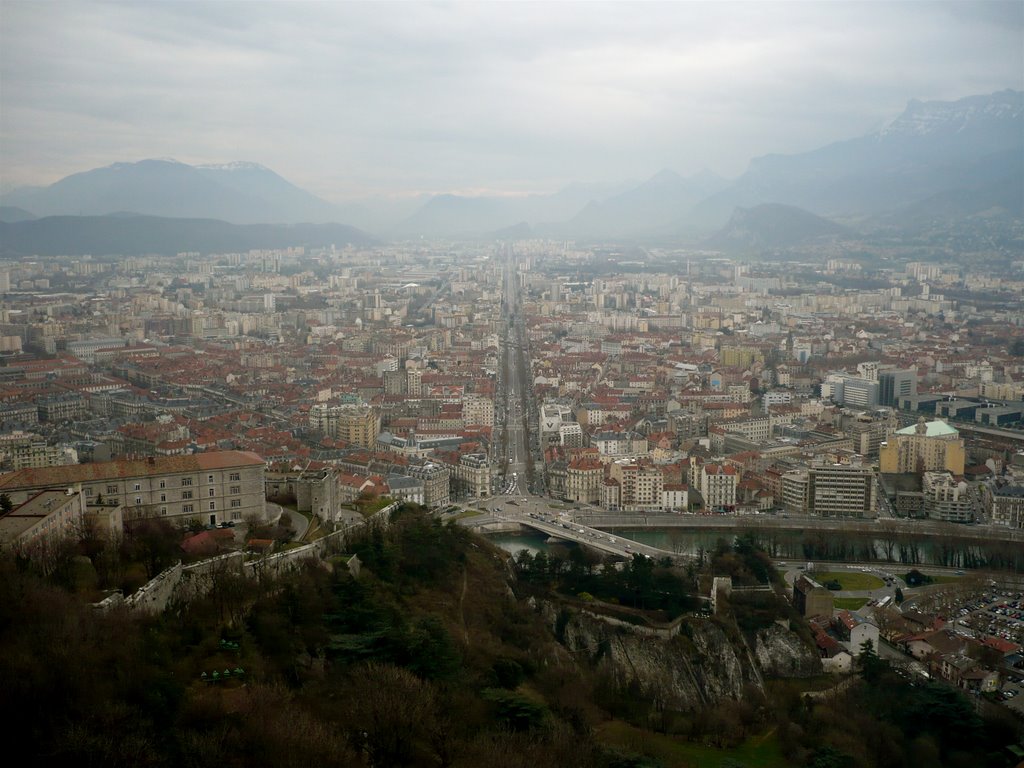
column 565, row 529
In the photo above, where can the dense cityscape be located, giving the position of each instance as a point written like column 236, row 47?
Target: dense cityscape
column 576, row 386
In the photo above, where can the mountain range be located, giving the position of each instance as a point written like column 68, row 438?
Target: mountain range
column 240, row 193
column 952, row 163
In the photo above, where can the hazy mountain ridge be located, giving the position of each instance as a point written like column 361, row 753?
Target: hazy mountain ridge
column 930, row 148
column 11, row 213
column 134, row 234
column 653, row 207
column 932, row 151
column 774, row 226
column 240, row 193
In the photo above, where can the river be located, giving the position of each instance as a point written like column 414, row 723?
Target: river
column 782, row 545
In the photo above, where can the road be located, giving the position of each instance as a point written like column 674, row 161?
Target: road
column 514, row 468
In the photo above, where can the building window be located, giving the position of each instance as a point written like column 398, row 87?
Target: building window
column 236, row 489
column 186, row 481
column 213, row 505
column 236, row 502
column 209, row 478
column 186, row 508
column 138, row 501
column 163, row 497
column 163, row 510
column 235, row 476
column 138, row 486
column 111, row 489
column 236, row 515
column 213, row 491
column 186, row 494
column 163, row 483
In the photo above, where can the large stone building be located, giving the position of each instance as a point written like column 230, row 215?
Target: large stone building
column 436, row 482
column 931, row 446
column 39, row 524
column 473, row 475
column 583, row 479
column 208, row 487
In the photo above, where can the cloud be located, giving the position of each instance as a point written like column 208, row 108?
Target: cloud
column 348, row 99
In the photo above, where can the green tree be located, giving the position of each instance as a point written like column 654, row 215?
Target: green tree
column 871, row 666
column 6, row 505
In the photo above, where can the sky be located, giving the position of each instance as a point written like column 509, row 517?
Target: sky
column 353, row 100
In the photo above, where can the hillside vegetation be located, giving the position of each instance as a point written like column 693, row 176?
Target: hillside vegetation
column 430, row 659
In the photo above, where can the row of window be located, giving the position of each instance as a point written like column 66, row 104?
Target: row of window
column 188, row 508
column 234, row 490
column 185, row 482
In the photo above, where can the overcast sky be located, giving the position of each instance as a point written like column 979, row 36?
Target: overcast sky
column 350, row 99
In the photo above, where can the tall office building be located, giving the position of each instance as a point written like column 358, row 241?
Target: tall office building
column 896, row 384
column 842, row 490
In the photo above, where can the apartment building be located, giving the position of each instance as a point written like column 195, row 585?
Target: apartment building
column 355, row 424
column 717, row 483
column 640, row 486
column 946, row 499
column 1005, row 505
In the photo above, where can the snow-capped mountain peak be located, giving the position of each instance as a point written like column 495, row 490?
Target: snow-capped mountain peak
column 922, row 118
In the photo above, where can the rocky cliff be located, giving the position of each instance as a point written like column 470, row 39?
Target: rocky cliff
column 780, row 653
column 699, row 666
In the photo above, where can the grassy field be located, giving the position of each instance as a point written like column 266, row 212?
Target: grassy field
column 758, row 752
column 850, row 581
column 849, row 603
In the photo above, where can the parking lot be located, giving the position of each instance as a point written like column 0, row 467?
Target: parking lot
column 999, row 614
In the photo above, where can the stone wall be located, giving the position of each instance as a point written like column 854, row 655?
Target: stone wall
column 183, row 583
column 156, row 594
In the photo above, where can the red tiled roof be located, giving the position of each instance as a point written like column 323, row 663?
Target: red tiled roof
column 123, row 468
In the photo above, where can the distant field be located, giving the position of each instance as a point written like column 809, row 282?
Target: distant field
column 849, row 603
column 758, row 752
column 851, row 581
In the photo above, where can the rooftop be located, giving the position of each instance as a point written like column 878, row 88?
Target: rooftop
column 932, row 429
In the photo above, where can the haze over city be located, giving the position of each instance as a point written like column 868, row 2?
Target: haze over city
column 355, row 100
